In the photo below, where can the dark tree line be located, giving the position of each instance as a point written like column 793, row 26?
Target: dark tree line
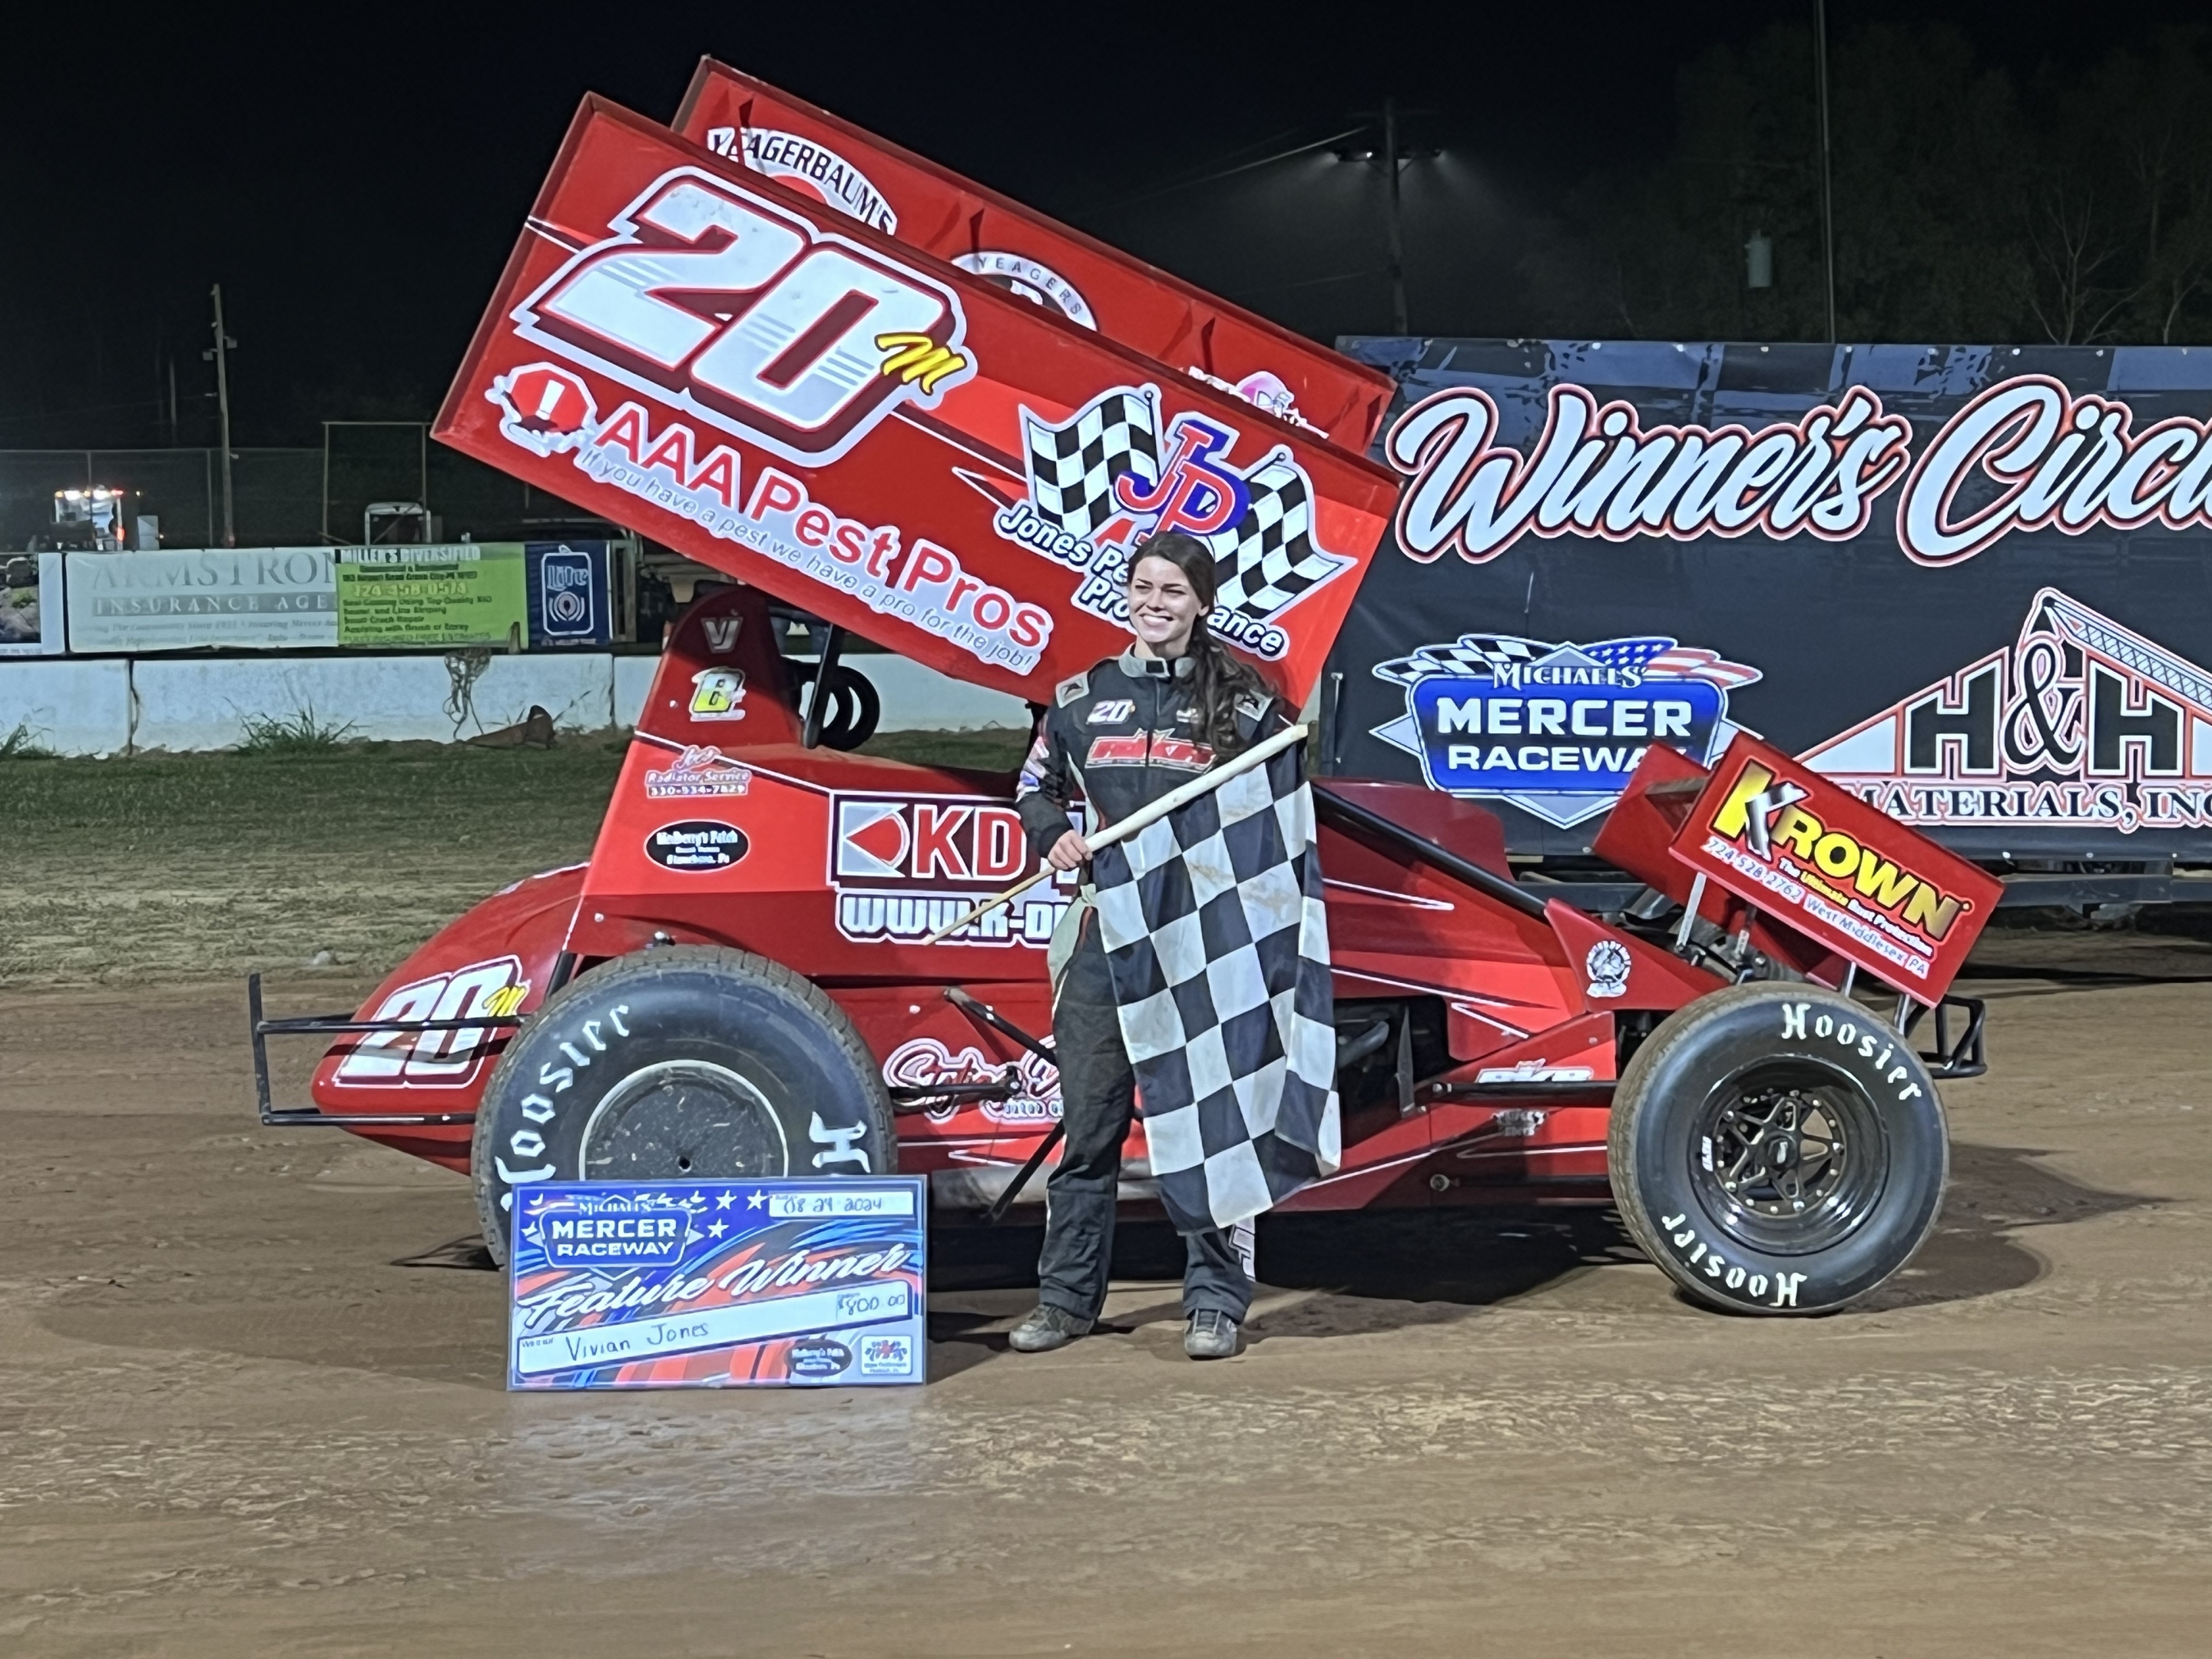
column 2072, row 206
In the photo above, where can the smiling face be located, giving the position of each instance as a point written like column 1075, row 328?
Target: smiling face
column 1163, row 607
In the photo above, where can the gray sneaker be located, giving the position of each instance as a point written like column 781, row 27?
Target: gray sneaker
column 1212, row 1335
column 1047, row 1328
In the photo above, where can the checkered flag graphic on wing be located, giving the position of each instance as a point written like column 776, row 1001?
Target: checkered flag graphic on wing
column 1218, row 941
column 1073, row 467
column 1266, row 562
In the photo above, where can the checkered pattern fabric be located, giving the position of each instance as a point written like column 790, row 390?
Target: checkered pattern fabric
column 1474, row 653
column 1215, row 933
column 1072, row 467
column 1268, row 560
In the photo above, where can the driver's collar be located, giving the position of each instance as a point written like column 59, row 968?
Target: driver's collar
column 1157, row 668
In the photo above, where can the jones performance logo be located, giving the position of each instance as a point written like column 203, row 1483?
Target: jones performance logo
column 902, row 867
column 435, row 1060
column 1556, row 729
column 1108, row 477
column 728, row 306
column 1599, row 472
column 2081, row 722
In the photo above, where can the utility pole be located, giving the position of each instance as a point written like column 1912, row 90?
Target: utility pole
column 220, row 353
column 1398, row 322
column 1827, row 185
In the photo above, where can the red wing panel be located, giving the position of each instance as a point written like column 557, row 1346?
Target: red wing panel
column 1090, row 284
column 1816, row 857
column 776, row 391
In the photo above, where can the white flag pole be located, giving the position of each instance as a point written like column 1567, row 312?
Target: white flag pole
column 1181, row 795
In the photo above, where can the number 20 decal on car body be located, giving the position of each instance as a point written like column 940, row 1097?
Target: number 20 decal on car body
column 715, row 298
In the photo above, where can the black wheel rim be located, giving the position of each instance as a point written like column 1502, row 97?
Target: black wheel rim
column 1789, row 1157
column 683, row 1119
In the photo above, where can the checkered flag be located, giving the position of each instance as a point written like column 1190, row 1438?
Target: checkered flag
column 1072, row 467
column 1474, row 653
column 1268, row 560
column 1214, row 931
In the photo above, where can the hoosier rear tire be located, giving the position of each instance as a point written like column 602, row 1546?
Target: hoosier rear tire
column 682, row 1063
column 1778, row 1148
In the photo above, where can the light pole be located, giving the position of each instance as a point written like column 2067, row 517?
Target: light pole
column 1827, row 188
column 220, row 353
column 1398, row 322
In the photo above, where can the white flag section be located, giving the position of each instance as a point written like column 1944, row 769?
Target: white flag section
column 1213, row 926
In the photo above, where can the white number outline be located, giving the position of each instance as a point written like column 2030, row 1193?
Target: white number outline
column 789, row 443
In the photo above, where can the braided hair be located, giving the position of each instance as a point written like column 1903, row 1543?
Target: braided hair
column 1219, row 680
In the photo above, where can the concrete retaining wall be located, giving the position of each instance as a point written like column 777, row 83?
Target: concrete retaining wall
column 97, row 705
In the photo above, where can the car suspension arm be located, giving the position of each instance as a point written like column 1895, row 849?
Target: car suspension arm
column 983, row 1014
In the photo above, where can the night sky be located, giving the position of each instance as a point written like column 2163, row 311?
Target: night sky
column 355, row 177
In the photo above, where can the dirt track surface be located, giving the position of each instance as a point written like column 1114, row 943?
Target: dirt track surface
column 250, row 1404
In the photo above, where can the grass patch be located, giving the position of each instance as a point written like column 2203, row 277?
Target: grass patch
column 281, row 735
column 164, row 868
column 23, row 744
column 169, row 868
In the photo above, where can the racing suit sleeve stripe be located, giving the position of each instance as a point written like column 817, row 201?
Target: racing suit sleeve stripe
column 1040, row 794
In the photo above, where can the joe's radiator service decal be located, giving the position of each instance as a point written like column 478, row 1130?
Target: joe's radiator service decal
column 718, row 1283
column 1972, row 585
column 760, row 377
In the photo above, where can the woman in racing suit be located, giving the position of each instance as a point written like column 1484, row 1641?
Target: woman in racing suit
column 1125, row 733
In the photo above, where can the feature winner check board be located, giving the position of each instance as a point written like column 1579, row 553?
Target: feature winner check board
column 716, row 1285
column 783, row 393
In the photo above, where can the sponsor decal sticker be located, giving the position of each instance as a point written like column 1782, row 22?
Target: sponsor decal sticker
column 2080, row 722
column 1109, row 476
column 903, row 866
column 818, row 343
column 810, row 167
column 1037, row 283
column 926, row 1063
column 718, row 694
column 696, row 846
column 1794, row 844
column 1553, row 727
column 1607, row 966
column 697, row 773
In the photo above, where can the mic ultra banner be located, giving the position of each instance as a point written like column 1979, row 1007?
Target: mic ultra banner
column 685, row 346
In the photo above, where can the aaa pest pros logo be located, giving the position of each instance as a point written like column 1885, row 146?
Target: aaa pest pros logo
column 435, row 1060
column 905, row 866
column 710, row 298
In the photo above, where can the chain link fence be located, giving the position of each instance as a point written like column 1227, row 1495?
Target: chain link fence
column 302, row 497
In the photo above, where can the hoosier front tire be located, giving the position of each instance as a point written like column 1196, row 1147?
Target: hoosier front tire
column 682, row 1063
column 1778, row 1148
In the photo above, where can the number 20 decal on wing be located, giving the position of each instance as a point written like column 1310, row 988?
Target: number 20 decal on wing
column 713, row 298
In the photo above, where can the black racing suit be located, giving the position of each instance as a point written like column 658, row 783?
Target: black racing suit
column 1125, row 733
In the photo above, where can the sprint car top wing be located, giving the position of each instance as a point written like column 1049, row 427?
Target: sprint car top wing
column 773, row 388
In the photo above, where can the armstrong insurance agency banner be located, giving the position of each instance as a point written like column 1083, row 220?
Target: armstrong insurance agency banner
column 1971, row 583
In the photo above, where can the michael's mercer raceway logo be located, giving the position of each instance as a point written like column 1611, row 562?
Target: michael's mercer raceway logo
column 902, row 866
column 724, row 305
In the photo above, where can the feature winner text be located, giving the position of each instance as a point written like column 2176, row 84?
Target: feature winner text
column 917, row 581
